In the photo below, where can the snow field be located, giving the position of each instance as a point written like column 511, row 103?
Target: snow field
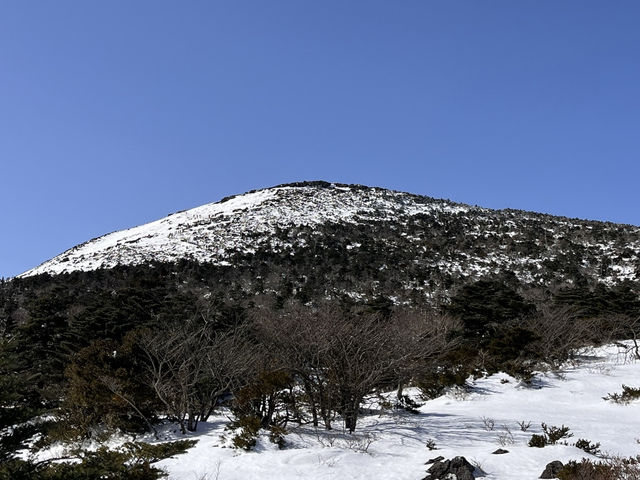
column 392, row 445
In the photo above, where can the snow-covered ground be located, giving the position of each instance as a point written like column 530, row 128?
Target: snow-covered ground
column 393, row 444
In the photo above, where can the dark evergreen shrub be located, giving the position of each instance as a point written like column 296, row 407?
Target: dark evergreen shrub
column 588, row 447
column 550, row 436
column 246, row 430
column 628, row 395
column 614, row 468
column 105, row 390
column 538, row 441
column 554, row 434
column 132, row 461
column 487, row 302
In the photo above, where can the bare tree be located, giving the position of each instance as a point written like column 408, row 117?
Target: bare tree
column 174, row 368
column 421, row 339
column 359, row 359
column 339, row 356
column 299, row 344
column 634, row 328
column 230, row 359
column 190, row 365
column 559, row 332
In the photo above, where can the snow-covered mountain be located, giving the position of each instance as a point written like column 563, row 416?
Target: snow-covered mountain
column 435, row 237
column 242, row 223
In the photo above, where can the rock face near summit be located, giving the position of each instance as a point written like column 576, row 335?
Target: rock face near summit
column 416, row 242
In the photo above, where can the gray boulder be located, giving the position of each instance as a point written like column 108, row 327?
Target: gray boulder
column 458, row 466
column 552, row 469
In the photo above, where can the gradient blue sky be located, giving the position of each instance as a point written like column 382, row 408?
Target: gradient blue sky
column 116, row 113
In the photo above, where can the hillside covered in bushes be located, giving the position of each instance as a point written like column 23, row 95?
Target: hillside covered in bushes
column 292, row 307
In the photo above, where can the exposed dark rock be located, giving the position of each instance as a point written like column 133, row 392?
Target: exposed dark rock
column 439, row 469
column 552, row 469
column 458, row 466
column 462, row 469
column 500, row 451
column 434, row 460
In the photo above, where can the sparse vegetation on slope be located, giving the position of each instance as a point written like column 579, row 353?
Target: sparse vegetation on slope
column 303, row 318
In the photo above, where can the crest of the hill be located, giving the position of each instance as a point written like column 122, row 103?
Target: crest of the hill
column 392, row 241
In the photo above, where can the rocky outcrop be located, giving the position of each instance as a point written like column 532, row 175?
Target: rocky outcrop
column 552, row 469
column 458, row 466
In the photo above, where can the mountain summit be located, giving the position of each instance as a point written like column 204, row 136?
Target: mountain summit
column 215, row 232
column 418, row 240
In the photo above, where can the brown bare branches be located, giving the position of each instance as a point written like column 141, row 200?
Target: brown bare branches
column 340, row 357
column 190, row 365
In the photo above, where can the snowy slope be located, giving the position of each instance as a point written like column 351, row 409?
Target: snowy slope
column 214, row 231
column 430, row 235
column 455, row 422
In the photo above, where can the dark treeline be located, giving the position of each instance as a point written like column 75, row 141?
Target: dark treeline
column 121, row 349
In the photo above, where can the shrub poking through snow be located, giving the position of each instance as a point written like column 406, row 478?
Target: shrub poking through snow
column 550, row 436
column 615, row 468
column 408, row 404
column 524, row 426
column 360, row 443
column 247, row 429
column 554, row 434
column 489, row 423
column 627, row 396
column 276, row 435
column 506, row 437
column 150, row 453
column 588, row 447
column 129, row 461
column 537, row 441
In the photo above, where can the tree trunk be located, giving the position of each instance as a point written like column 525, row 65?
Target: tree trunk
column 192, row 421
column 350, row 418
column 350, row 406
column 313, row 404
column 399, row 392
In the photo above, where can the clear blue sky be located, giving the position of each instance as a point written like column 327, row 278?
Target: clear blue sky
column 119, row 112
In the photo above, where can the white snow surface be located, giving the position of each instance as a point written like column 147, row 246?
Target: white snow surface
column 456, row 422
column 212, row 232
